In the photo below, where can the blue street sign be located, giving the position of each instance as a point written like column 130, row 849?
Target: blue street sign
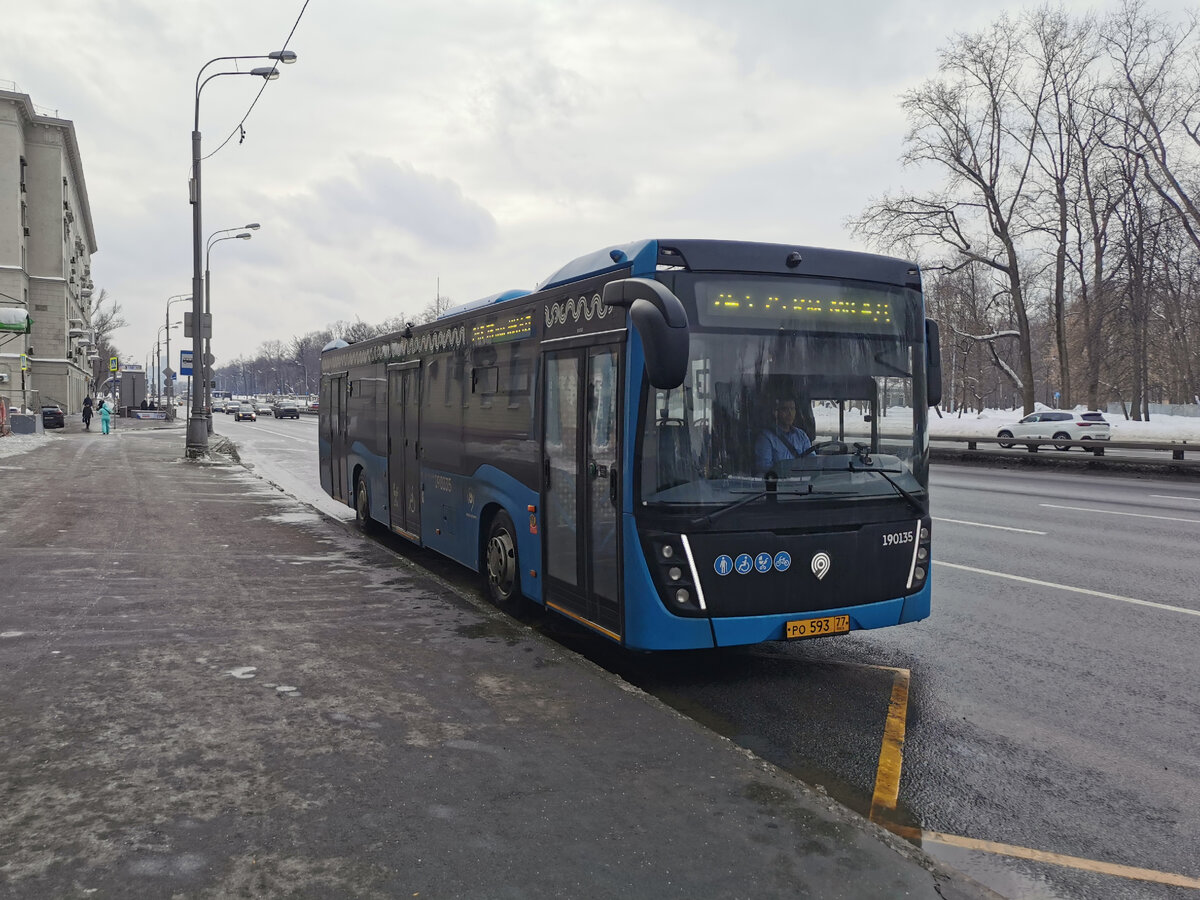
column 185, row 362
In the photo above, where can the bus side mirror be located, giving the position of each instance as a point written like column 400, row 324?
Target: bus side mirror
column 933, row 363
column 661, row 322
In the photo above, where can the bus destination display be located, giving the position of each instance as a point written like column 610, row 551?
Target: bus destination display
column 802, row 304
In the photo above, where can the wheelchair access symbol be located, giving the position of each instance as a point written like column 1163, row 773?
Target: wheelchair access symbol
column 744, row 563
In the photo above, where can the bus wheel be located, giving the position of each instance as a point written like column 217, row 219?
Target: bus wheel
column 500, row 557
column 362, row 506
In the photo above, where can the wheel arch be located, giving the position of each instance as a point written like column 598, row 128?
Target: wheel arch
column 496, row 491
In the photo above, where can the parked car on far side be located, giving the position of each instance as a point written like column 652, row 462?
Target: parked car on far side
column 52, row 416
column 1060, row 427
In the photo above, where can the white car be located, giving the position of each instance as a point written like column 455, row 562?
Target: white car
column 1061, row 427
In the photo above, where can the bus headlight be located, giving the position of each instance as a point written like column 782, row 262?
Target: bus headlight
column 671, row 573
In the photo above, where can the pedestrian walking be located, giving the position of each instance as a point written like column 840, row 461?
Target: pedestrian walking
column 87, row 413
column 105, row 415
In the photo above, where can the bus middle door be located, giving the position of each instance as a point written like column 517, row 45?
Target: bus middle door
column 581, row 486
column 404, row 481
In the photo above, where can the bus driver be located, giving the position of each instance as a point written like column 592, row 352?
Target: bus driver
column 781, row 441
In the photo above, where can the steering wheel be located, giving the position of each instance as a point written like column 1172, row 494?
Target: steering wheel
column 827, row 448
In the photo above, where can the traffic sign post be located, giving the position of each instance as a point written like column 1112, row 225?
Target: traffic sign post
column 185, row 362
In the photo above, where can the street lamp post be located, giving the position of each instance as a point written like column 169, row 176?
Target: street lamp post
column 167, row 327
column 206, row 363
column 197, row 430
column 178, row 298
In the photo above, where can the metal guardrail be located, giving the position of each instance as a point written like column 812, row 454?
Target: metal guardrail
column 1096, row 448
column 979, row 446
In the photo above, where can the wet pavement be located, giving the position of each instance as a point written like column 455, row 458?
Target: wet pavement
column 208, row 690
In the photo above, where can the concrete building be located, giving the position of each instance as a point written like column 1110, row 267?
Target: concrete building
column 46, row 247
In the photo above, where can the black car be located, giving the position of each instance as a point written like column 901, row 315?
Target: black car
column 52, row 417
column 286, row 409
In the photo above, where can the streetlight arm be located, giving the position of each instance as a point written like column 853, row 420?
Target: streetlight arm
column 284, row 56
column 244, row 236
column 269, row 73
column 253, row 226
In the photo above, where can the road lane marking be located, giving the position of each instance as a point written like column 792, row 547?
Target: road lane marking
column 1113, row 512
column 1057, row 859
column 891, row 750
column 1067, row 587
column 1173, row 497
column 983, row 525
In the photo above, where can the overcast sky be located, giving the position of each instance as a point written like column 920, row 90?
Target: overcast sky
column 480, row 142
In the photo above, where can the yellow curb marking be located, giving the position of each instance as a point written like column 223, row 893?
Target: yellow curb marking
column 1057, row 859
column 891, row 751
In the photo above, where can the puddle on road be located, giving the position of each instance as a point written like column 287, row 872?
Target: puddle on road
column 999, row 873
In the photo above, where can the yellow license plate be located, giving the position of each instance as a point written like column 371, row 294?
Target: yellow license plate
column 806, row 628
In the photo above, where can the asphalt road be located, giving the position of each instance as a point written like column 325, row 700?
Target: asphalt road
column 1052, row 704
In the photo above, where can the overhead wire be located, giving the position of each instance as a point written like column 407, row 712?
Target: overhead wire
column 239, row 129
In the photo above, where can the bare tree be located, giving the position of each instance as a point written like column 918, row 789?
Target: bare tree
column 967, row 123
column 1062, row 54
column 305, row 352
column 353, row 332
column 106, row 319
column 433, row 310
column 1158, row 90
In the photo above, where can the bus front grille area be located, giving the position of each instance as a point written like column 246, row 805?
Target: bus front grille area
column 764, row 573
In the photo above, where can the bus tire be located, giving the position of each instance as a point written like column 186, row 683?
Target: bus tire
column 501, row 567
column 362, row 506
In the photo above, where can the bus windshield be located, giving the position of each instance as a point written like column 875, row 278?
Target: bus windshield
column 804, row 415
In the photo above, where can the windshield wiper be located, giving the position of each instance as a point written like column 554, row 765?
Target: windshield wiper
column 863, row 455
column 708, row 518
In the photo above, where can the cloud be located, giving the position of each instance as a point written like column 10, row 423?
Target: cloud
column 379, row 193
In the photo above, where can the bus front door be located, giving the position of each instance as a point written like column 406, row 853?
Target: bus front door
column 581, row 486
column 404, row 481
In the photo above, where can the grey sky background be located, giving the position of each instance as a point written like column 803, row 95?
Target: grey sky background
column 482, row 142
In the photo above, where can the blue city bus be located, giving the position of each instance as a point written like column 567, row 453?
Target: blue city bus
column 595, row 446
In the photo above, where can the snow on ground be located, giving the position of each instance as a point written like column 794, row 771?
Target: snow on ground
column 989, row 422
column 12, row 444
